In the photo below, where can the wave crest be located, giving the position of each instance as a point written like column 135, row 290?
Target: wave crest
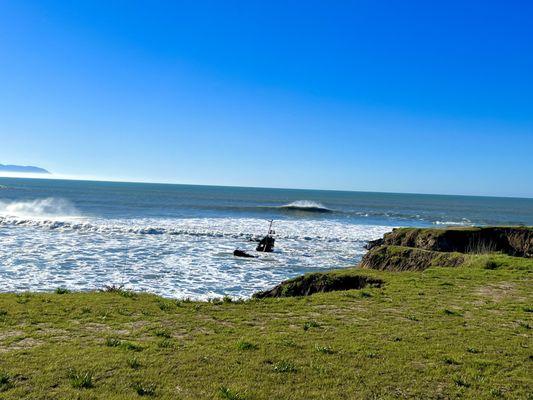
column 464, row 222
column 237, row 229
column 306, row 205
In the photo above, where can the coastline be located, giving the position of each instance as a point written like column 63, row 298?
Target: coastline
column 177, row 241
column 443, row 331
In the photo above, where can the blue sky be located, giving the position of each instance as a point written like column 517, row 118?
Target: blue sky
column 402, row 96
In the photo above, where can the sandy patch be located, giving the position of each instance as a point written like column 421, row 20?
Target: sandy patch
column 496, row 292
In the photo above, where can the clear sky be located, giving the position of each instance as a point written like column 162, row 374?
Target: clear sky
column 402, row 96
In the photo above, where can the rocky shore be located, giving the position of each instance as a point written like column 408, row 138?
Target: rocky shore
column 416, row 249
column 513, row 241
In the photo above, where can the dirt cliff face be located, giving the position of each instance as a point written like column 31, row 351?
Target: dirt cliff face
column 514, row 241
column 319, row 283
column 414, row 249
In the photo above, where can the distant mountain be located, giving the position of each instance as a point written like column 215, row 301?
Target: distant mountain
column 23, row 169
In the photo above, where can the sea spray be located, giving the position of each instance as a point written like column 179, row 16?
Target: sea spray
column 39, row 208
column 307, row 206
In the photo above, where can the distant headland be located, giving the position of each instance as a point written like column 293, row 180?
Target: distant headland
column 23, row 169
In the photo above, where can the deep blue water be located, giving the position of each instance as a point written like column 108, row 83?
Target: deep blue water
column 140, row 200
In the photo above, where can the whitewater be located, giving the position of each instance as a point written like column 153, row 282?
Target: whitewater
column 187, row 257
column 177, row 241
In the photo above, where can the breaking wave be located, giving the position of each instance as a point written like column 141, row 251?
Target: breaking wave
column 307, row 206
column 49, row 208
column 229, row 228
column 463, row 222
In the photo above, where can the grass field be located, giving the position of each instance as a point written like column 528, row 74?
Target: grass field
column 442, row 333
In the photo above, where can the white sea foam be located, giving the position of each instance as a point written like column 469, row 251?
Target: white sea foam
column 49, row 208
column 236, row 228
column 190, row 257
column 463, row 222
column 306, row 205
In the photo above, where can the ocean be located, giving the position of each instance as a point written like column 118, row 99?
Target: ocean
column 178, row 240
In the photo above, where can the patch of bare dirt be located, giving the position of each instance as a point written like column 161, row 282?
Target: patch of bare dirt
column 496, row 292
column 96, row 327
column 136, row 325
column 9, row 334
column 23, row 344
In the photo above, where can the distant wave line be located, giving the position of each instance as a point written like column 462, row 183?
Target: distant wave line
column 54, row 209
column 306, row 206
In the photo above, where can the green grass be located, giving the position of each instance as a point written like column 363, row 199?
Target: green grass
column 284, row 366
column 243, row 345
column 228, row 394
column 499, row 261
column 81, row 380
column 311, row 324
column 447, row 333
column 134, row 363
column 145, row 388
column 164, row 333
column 5, row 381
column 324, row 349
